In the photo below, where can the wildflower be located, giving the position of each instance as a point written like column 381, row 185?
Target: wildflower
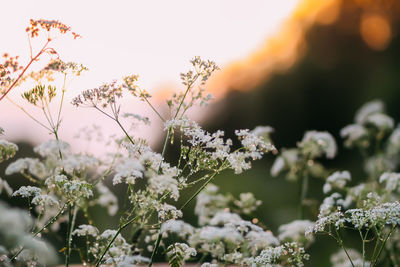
column 393, row 145
column 7, row 150
column 355, row 135
column 288, row 160
column 163, row 184
column 168, row 212
column 52, row 148
column 104, row 95
column 316, row 144
column 4, row 186
column 86, row 230
column 27, row 191
column 391, row 179
column 177, row 253
column 381, row 122
column 107, row 199
column 369, row 108
column 295, row 231
column 336, row 180
column 29, row 165
column 178, row 227
column 129, row 170
column 43, row 201
column 36, row 25
column 247, row 203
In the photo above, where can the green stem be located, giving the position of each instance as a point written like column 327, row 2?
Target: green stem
column 303, row 194
column 51, row 221
column 113, row 239
column 375, row 261
column 157, row 244
column 68, row 242
column 340, row 241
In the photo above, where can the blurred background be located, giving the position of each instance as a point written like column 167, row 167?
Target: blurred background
column 302, row 65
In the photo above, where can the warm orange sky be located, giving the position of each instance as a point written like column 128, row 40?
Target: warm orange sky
column 154, row 39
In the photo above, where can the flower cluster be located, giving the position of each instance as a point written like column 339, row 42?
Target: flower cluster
column 47, row 25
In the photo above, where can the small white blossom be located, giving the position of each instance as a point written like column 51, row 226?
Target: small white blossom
column 178, row 227
column 354, row 134
column 52, row 148
column 107, row 199
column 7, row 150
column 86, row 230
column 162, row 184
column 167, row 212
column 369, row 108
column 32, row 166
column 129, row 170
column 27, row 191
column 336, row 180
column 5, row 187
column 316, row 144
column 391, row 179
column 295, row 231
column 380, row 121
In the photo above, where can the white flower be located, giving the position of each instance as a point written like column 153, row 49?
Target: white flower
column 44, row 200
column 336, row 180
column 316, row 144
column 32, row 166
column 107, row 199
column 52, row 148
column 391, row 179
column 354, row 134
column 247, row 203
column 86, row 230
column 167, row 212
column 223, row 217
column 380, row 121
column 181, row 249
column 258, row 240
column 78, row 163
column 163, row 184
column 178, row 227
column 295, row 231
column 393, row 146
column 369, row 108
column 27, row 191
column 7, row 150
column 4, row 186
column 129, row 170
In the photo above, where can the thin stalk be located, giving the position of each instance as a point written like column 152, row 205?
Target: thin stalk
column 113, row 239
column 303, row 194
column 61, row 102
column 375, row 261
column 340, row 241
column 154, row 109
column 199, row 190
column 24, row 70
column 51, row 221
column 29, row 115
column 157, row 244
column 68, row 242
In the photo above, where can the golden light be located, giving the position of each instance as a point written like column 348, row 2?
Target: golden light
column 376, row 31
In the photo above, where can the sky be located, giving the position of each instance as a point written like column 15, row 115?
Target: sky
column 155, row 39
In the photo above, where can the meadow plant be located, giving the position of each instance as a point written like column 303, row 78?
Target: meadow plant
column 63, row 188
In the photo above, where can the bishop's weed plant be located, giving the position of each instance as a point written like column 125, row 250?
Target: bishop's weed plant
column 63, row 188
